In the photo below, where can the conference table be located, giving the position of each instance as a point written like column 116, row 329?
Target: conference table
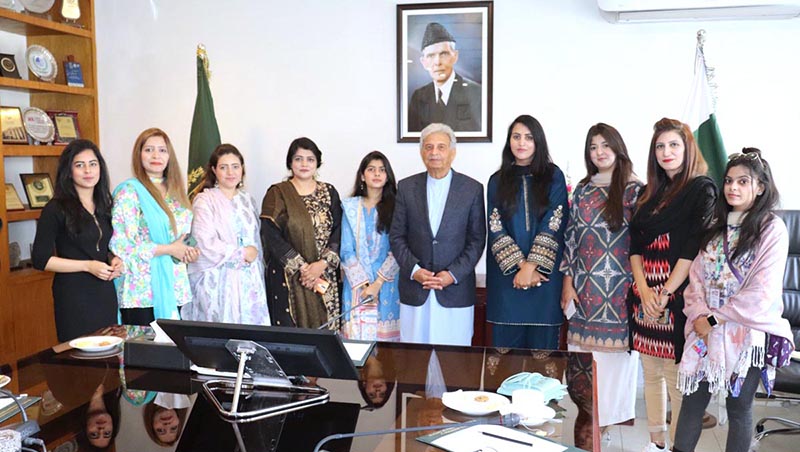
column 399, row 386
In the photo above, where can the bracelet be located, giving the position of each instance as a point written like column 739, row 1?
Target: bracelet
column 665, row 291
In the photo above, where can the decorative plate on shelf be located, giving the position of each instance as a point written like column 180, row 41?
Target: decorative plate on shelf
column 38, row 6
column 41, row 62
column 95, row 344
column 38, row 125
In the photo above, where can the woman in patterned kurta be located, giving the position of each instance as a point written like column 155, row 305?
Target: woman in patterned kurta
column 228, row 278
column 301, row 228
column 597, row 272
column 150, row 217
column 671, row 217
column 368, row 264
column 527, row 201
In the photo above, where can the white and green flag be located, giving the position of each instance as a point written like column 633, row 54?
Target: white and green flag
column 699, row 114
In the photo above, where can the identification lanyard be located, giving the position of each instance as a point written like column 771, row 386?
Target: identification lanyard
column 728, row 259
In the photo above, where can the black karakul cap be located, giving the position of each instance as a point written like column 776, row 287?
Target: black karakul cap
column 434, row 34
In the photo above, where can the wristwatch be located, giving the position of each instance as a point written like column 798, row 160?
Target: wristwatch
column 712, row 320
column 665, row 291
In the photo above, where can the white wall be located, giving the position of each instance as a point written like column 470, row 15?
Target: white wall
column 327, row 70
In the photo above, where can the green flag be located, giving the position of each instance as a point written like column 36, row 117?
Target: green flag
column 205, row 133
column 700, row 115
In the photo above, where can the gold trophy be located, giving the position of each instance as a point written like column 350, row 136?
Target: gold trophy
column 70, row 10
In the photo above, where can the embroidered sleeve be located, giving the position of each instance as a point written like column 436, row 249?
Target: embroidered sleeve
column 504, row 249
column 389, row 268
column 329, row 256
column 354, row 272
column 550, row 236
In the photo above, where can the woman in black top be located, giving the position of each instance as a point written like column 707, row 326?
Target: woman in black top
column 672, row 216
column 72, row 241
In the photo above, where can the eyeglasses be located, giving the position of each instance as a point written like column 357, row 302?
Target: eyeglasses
column 747, row 156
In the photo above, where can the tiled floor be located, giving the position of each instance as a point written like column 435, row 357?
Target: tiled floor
column 633, row 439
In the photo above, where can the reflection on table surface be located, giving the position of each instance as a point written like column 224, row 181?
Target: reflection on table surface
column 99, row 404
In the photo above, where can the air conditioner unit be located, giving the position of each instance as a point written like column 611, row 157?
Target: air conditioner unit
column 633, row 11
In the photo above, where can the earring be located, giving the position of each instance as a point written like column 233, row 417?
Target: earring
column 362, row 186
column 216, row 184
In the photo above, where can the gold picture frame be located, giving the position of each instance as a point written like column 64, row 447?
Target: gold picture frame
column 38, row 189
column 12, row 127
column 13, row 201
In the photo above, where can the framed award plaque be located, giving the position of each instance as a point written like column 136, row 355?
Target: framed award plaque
column 8, row 66
column 66, row 123
column 12, row 198
column 11, row 123
column 38, row 189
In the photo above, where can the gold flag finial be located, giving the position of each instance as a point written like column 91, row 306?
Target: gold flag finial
column 203, row 55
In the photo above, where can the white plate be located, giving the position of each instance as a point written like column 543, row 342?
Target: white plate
column 38, row 6
column 474, row 403
column 94, row 344
column 41, row 62
column 4, row 380
column 38, row 124
column 530, row 417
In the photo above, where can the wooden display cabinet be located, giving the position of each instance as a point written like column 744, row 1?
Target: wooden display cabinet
column 26, row 303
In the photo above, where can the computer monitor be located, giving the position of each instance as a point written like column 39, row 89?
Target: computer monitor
column 299, row 351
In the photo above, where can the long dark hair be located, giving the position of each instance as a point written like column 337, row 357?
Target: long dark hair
column 386, row 204
column 693, row 164
column 223, row 149
column 66, row 194
column 623, row 169
column 762, row 208
column 111, row 402
column 541, row 169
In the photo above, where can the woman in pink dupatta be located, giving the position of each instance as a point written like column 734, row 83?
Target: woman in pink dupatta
column 228, row 279
column 735, row 335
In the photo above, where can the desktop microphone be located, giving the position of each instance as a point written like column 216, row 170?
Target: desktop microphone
column 366, row 300
column 508, row 420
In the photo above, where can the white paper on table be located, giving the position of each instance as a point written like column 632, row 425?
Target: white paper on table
column 471, row 439
column 6, row 401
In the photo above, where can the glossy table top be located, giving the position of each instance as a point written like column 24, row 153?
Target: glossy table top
column 96, row 399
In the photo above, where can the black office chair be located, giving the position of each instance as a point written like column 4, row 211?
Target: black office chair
column 787, row 379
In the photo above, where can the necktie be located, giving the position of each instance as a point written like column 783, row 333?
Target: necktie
column 441, row 99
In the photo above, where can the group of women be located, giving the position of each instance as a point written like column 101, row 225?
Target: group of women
column 651, row 270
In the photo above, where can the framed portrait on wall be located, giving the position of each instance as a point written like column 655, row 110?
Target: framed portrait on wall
column 444, row 69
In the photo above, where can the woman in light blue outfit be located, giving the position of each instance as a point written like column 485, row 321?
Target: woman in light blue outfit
column 369, row 267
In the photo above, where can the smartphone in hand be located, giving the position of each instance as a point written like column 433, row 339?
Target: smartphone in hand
column 188, row 240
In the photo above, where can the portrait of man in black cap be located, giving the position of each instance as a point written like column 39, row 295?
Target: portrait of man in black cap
column 450, row 98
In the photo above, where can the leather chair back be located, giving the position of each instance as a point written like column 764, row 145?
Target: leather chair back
column 791, row 277
column 787, row 379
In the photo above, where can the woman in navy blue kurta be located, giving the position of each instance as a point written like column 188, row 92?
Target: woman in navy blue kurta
column 527, row 216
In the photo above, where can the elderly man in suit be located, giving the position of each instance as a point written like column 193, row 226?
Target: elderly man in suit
column 450, row 98
column 437, row 237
